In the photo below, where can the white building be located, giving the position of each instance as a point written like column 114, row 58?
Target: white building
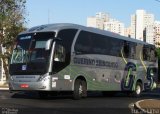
column 92, row 22
column 150, row 34
column 114, row 26
column 98, row 20
column 102, row 21
column 133, row 26
column 127, row 32
column 157, row 33
column 103, row 16
column 140, row 22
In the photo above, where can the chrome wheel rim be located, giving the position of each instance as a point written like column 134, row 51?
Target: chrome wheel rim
column 138, row 90
column 80, row 89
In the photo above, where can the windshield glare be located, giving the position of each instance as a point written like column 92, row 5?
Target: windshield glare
column 31, row 48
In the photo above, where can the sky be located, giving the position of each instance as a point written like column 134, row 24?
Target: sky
column 40, row 12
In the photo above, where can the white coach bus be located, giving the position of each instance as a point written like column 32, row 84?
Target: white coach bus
column 69, row 57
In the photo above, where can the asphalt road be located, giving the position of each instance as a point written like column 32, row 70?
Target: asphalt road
column 30, row 103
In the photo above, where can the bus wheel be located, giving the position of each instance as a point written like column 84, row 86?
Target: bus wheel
column 138, row 90
column 80, row 89
column 84, row 88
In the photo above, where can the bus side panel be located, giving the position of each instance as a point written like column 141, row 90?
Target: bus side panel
column 101, row 72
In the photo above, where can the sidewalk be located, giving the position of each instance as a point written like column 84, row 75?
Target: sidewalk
column 4, row 86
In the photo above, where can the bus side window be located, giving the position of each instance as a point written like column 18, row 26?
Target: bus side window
column 59, row 54
column 83, row 43
column 146, row 53
column 126, row 49
column 133, row 51
column 153, row 55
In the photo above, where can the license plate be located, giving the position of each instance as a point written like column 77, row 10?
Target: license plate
column 24, row 85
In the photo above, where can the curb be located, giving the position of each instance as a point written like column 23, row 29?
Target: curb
column 4, row 88
column 139, row 109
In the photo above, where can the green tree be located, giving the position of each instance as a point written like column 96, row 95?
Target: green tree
column 158, row 55
column 12, row 21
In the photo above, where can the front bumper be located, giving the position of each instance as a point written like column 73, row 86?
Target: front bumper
column 17, row 86
column 48, row 85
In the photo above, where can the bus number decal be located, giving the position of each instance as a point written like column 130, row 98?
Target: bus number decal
column 128, row 77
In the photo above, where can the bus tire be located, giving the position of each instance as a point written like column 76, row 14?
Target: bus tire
column 80, row 89
column 84, row 89
column 138, row 90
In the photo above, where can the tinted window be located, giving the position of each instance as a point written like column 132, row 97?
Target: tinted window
column 100, row 44
column 59, row 54
column 133, row 50
column 83, row 43
column 149, row 53
column 116, row 46
column 59, row 58
column 67, row 36
column 153, row 54
column 129, row 50
column 63, row 49
column 139, row 49
column 146, row 53
column 91, row 43
column 126, row 49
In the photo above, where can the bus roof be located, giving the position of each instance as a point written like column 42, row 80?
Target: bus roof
column 59, row 26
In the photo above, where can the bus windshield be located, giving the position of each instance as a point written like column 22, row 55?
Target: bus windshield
column 30, row 50
column 34, row 54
